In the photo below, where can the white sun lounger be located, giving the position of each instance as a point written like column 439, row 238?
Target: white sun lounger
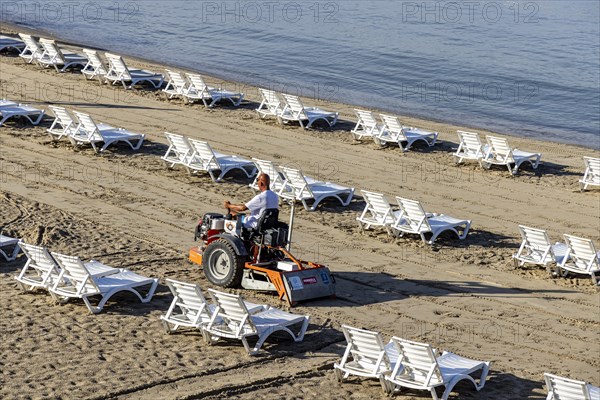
column 204, row 158
column 190, row 308
column 95, row 68
column 199, row 90
column 42, row 270
column 394, row 132
column 76, row 281
column 294, row 111
column 499, row 152
column 366, row 126
column 560, row 388
column 232, row 319
column 9, row 242
column 419, row 368
column 470, row 147
column 413, row 219
column 54, row 57
column 592, row 173
column 275, row 175
column 366, row 355
column 581, row 258
column 118, row 72
column 303, row 189
column 7, row 43
column 32, row 50
column 65, row 125
column 271, row 104
column 9, row 109
column 177, row 86
column 89, row 132
column 377, row 212
column 536, row 248
column 179, row 150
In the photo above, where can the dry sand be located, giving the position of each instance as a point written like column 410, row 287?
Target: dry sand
column 127, row 209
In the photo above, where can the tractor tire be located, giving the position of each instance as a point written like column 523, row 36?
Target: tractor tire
column 222, row 265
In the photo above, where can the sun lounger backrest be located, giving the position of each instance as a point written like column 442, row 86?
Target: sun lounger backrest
column 189, row 295
column 582, row 252
column 592, row 170
column 566, row 389
column 393, row 126
column 378, row 205
column 88, row 125
column 499, row 148
column 177, row 79
column 95, row 61
column 204, row 153
column 367, row 118
column 270, row 99
column 366, row 348
column 31, row 44
column 295, row 105
column 76, row 272
column 295, row 179
column 179, row 143
column 198, row 83
column 233, row 311
column 52, row 50
column 116, row 62
column 39, row 258
column 470, row 143
column 536, row 244
column 413, row 213
column 63, row 116
column 419, row 362
column 269, row 168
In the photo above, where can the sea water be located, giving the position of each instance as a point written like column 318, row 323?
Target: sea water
column 529, row 69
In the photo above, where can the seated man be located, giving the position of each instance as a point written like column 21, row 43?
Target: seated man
column 262, row 201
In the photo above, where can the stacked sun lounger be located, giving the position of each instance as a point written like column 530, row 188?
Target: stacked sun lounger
column 228, row 316
column 67, row 277
column 409, row 218
column 292, row 110
column 80, row 129
column 406, row 364
column 575, row 255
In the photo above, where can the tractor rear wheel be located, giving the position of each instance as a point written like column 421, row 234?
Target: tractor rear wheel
column 222, row 265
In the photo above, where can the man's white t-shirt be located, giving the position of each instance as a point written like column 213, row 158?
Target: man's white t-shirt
column 259, row 203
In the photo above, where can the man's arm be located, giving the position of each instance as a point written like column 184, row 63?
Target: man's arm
column 235, row 208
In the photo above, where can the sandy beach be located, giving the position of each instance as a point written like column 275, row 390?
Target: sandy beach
column 127, row 210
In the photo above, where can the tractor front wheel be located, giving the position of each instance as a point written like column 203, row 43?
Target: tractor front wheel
column 222, row 265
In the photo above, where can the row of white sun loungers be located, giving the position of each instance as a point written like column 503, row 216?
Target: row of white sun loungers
column 390, row 130
column 47, row 53
column 192, row 88
column 289, row 183
column 80, row 128
column 409, row 218
column 576, row 255
column 291, row 109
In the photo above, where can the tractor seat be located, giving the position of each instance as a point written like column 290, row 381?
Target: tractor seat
column 269, row 230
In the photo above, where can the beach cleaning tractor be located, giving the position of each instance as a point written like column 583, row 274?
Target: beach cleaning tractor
column 259, row 259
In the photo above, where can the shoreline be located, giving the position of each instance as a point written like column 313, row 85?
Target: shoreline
column 418, row 121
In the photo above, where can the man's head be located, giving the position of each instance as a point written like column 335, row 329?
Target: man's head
column 263, row 182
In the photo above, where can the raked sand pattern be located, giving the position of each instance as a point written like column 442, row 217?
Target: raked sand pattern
column 127, row 209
